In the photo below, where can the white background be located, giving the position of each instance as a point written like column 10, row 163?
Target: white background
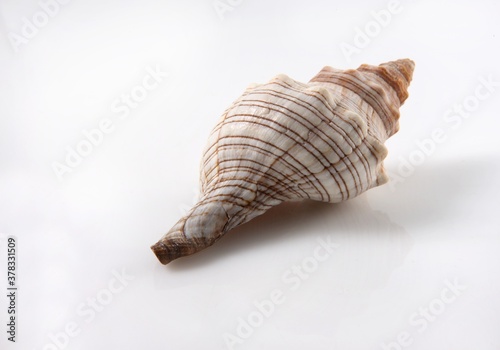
column 398, row 245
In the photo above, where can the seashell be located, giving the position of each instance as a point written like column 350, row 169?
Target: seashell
column 286, row 140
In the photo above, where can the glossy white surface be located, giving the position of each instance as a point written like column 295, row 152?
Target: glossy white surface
column 414, row 262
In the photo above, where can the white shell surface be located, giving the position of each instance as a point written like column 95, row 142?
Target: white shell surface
column 286, row 141
column 295, row 141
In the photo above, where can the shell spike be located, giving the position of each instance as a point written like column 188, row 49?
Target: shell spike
column 204, row 224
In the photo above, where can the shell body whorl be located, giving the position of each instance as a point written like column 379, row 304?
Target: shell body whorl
column 286, row 140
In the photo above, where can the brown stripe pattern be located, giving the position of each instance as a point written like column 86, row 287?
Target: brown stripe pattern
column 286, row 140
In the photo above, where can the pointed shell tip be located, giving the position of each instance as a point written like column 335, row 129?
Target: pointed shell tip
column 161, row 252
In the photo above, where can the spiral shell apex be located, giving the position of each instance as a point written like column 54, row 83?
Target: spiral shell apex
column 286, row 140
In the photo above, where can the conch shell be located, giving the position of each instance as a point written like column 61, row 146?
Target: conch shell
column 287, row 140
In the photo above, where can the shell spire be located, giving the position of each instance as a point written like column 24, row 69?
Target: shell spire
column 383, row 87
column 286, row 140
column 397, row 74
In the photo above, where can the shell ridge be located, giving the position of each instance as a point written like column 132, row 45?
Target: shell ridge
column 314, row 91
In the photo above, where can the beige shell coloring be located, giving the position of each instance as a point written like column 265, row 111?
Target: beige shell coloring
column 286, row 140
